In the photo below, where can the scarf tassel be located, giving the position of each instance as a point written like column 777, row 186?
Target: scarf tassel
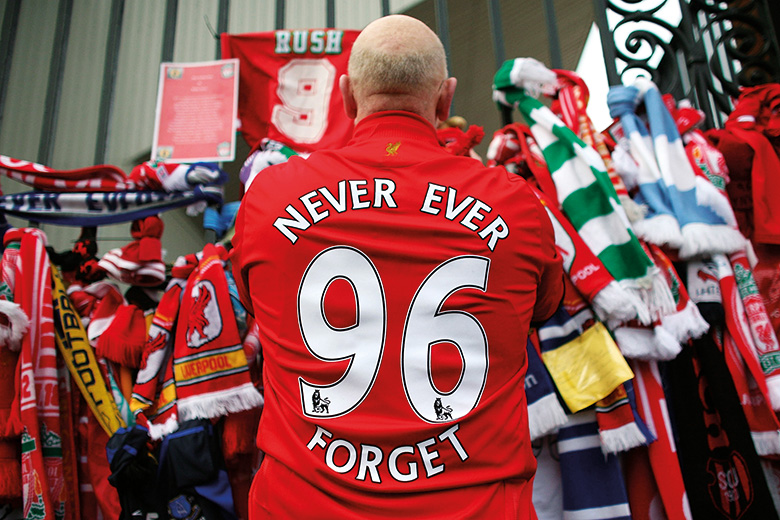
column 686, row 324
column 660, row 229
column 701, row 239
column 654, row 343
column 624, row 438
column 215, row 404
column 613, row 302
column 659, row 297
column 766, row 443
column 773, row 385
column 158, row 431
column 545, row 416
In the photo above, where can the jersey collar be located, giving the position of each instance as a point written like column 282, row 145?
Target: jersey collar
column 395, row 123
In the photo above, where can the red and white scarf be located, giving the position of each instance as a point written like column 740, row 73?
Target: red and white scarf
column 761, row 330
column 209, row 365
column 102, row 177
column 154, row 393
column 746, row 327
column 43, row 480
column 651, row 403
column 587, row 272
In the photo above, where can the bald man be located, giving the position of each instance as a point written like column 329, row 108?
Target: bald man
column 394, row 284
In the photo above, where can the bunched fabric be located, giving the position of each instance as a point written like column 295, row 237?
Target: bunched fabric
column 685, row 211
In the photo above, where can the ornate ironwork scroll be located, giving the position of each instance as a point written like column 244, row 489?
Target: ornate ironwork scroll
column 702, row 50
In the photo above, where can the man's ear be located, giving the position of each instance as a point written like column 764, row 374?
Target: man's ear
column 350, row 106
column 443, row 103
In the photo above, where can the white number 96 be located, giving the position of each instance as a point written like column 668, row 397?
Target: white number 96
column 363, row 343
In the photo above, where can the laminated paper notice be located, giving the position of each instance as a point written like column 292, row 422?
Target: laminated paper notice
column 588, row 368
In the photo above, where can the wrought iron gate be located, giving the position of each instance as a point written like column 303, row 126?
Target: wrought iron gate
column 702, row 50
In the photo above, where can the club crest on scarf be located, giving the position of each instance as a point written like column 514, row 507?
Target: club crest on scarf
column 205, row 321
column 731, row 489
column 31, row 485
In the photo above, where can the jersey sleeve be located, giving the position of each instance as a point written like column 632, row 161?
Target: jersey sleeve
column 549, row 293
column 238, row 260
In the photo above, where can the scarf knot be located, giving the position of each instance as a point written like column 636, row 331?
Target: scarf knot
column 622, row 101
column 147, row 232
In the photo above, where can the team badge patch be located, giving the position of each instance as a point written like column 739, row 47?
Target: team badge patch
column 205, row 320
column 732, row 489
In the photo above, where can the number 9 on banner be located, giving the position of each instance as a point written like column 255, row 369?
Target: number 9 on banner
column 305, row 88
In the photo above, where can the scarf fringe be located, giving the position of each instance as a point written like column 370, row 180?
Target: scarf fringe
column 215, row 404
column 614, row 302
column 648, row 344
column 709, row 239
column 624, row 438
column 659, row 298
column 686, row 324
column 660, row 230
column 766, row 443
column 11, row 335
column 158, row 431
column 773, row 385
column 545, row 416
column 637, row 293
column 634, row 211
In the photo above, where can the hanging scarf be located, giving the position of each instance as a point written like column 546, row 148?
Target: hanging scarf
column 80, row 359
column 762, row 421
column 713, row 438
column 584, row 363
column 739, row 324
column 730, row 336
column 685, row 211
column 209, row 366
column 545, row 413
column 593, row 485
column 760, row 326
column 42, row 468
column 620, row 427
column 588, row 274
column 571, row 105
column 154, row 393
column 11, row 481
column 754, row 121
column 664, row 339
column 585, row 192
column 13, row 326
column 651, row 405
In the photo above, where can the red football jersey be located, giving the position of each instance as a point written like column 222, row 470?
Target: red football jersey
column 288, row 86
column 394, row 285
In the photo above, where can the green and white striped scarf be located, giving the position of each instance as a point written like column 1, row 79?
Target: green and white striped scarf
column 585, row 192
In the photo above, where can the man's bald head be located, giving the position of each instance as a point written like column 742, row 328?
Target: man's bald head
column 397, row 63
